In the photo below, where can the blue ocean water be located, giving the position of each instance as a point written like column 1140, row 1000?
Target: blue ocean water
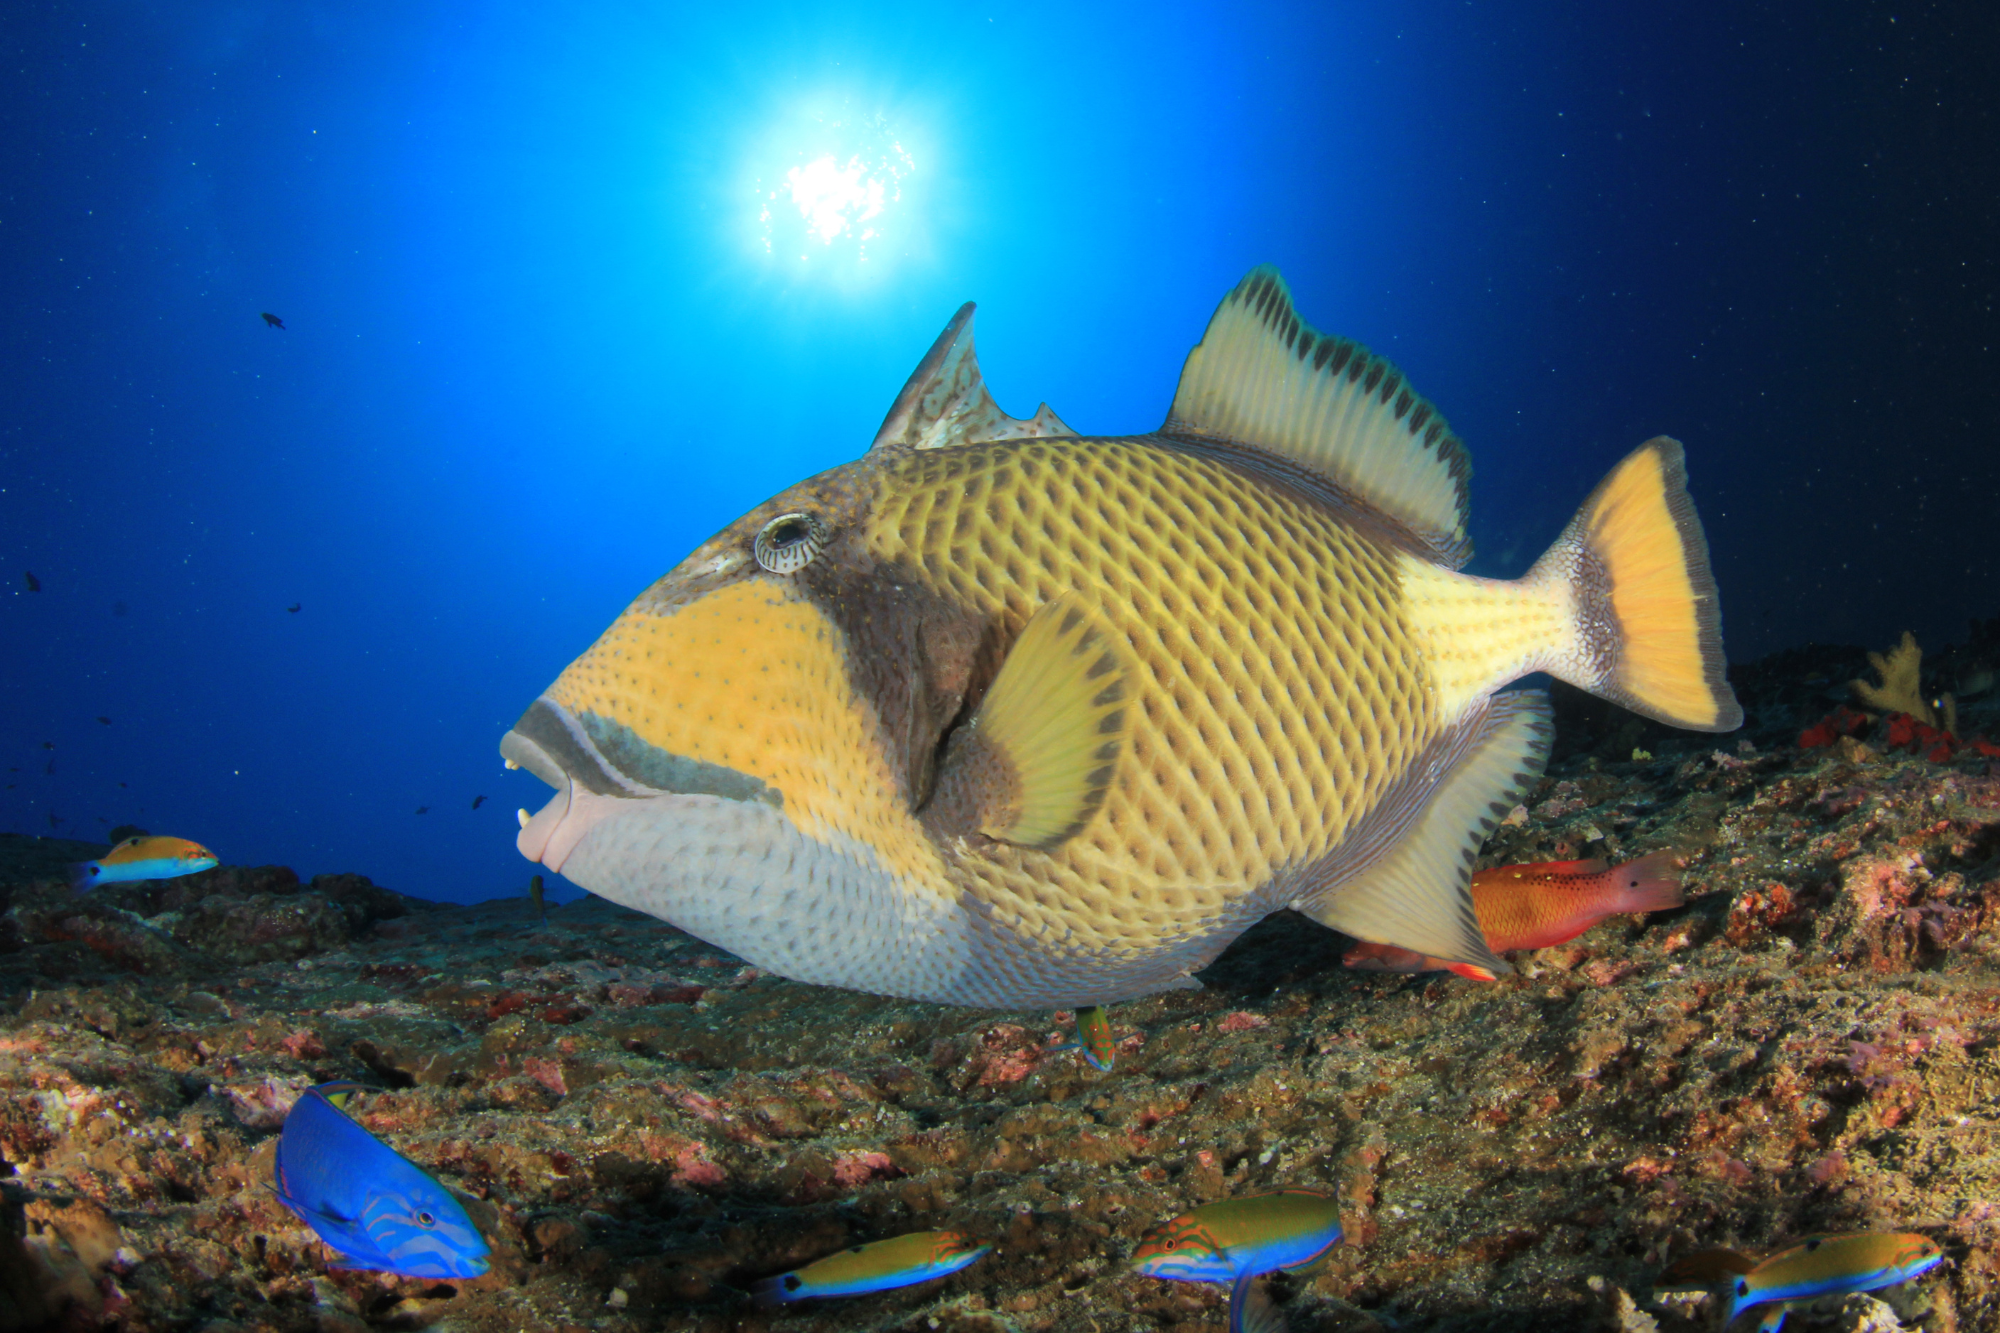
column 564, row 289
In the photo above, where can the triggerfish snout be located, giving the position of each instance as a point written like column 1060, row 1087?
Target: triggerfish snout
column 142, row 858
column 1541, row 904
column 1831, row 1265
column 1002, row 715
column 368, row 1201
column 884, row 1265
column 1239, row 1240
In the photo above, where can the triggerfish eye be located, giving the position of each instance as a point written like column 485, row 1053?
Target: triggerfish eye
column 789, row 542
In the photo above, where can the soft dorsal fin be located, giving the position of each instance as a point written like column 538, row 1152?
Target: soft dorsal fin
column 1262, row 376
column 945, row 401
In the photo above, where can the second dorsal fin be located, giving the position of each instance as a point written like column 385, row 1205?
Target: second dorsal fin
column 945, row 401
column 1262, row 376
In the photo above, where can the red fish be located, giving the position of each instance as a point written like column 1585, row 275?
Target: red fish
column 1535, row 906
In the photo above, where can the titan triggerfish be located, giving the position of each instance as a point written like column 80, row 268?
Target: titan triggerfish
column 1002, row 715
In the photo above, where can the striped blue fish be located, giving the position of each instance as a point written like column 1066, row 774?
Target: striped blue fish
column 366, row 1200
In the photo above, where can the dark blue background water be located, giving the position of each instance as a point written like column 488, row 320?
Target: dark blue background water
column 535, row 350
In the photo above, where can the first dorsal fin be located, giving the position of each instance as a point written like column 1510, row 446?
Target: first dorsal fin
column 945, row 401
column 1261, row 376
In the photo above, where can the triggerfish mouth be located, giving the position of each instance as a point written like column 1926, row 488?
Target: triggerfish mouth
column 142, row 858
column 1003, row 715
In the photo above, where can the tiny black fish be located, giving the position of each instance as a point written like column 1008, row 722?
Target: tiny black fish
column 478, row 801
column 536, row 896
column 55, row 821
column 423, row 809
column 34, row 584
column 272, row 320
column 294, row 607
column 48, row 745
column 105, row 720
column 51, row 769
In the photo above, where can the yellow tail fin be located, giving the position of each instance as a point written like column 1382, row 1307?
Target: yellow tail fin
column 1646, row 631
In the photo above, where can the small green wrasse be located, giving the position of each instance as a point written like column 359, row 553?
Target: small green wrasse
column 1544, row 903
column 1239, row 1240
column 1833, row 1265
column 1001, row 715
column 142, row 858
column 1093, row 1038
column 882, row 1266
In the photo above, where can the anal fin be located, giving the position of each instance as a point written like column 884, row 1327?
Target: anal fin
column 1417, row 893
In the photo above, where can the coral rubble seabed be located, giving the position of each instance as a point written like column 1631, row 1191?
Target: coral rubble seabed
column 643, row 1127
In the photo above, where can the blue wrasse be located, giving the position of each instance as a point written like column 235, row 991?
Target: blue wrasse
column 366, row 1200
column 1239, row 1240
column 882, row 1266
column 1093, row 1038
column 1832, row 1265
column 142, row 858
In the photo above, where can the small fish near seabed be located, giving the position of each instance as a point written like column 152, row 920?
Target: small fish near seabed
column 538, row 895
column 272, row 320
column 142, row 858
column 1093, row 1038
column 1832, row 1265
column 366, row 1200
column 1239, row 1240
column 1000, row 715
column 881, row 1266
column 1544, row 903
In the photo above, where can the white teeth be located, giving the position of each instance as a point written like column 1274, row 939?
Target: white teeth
column 512, row 764
column 522, row 815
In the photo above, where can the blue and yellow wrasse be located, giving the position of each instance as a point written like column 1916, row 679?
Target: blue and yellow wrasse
column 881, row 1266
column 142, row 858
column 1093, row 1038
column 366, row 1200
column 1238, row 1240
column 1833, row 1265
column 1001, row 715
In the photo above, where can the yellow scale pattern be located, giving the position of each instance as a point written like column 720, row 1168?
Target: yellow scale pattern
column 770, row 697
column 1280, row 690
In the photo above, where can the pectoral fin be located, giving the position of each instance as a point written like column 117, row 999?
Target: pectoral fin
column 1033, row 763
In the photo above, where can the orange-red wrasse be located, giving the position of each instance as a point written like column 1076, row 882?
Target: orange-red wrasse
column 1547, row 902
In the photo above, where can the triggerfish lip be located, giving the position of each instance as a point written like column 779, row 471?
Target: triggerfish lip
column 593, row 786
column 559, row 827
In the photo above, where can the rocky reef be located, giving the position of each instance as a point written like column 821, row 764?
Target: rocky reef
column 643, row 1126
